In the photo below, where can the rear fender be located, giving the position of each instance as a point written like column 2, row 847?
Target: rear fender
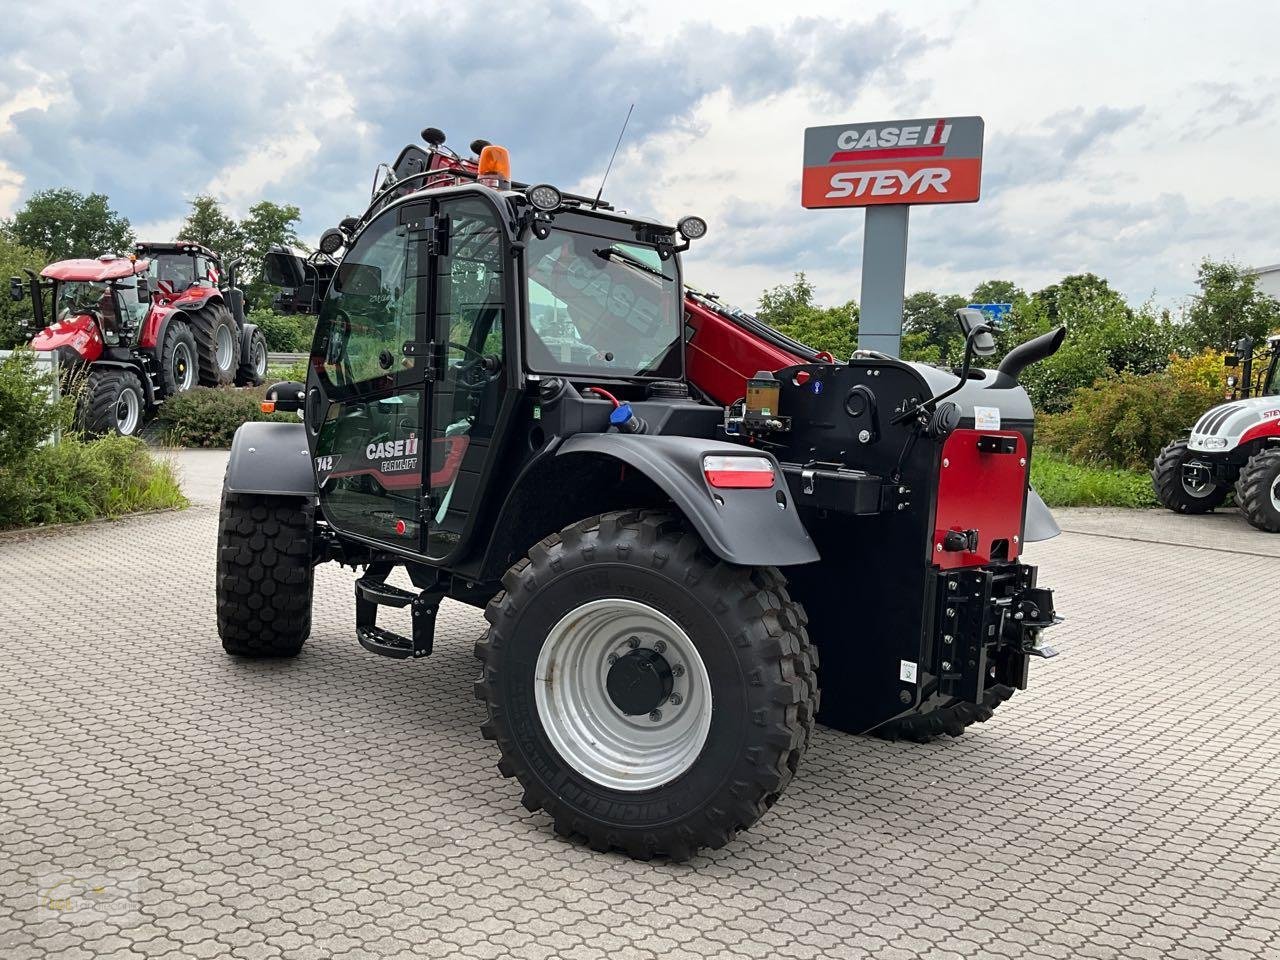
column 1039, row 523
column 271, row 459
column 752, row 528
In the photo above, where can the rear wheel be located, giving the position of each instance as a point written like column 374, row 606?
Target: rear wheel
column 112, row 403
column 179, row 370
column 218, row 343
column 253, row 363
column 265, row 574
column 647, row 695
column 1258, row 490
column 948, row 716
column 1183, row 480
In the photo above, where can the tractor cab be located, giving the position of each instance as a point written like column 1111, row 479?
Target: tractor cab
column 97, row 305
column 1244, row 356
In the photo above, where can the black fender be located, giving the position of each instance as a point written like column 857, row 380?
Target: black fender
column 270, row 458
column 1039, row 523
column 753, row 528
column 246, row 339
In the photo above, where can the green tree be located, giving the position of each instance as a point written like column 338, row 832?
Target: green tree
column 1230, row 306
column 266, row 225
column 930, row 333
column 997, row 291
column 66, row 223
column 789, row 307
column 209, row 224
column 14, row 257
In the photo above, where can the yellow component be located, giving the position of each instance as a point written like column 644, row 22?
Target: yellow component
column 495, row 162
column 268, row 406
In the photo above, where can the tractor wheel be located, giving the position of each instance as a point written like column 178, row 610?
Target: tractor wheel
column 1258, row 490
column 265, row 574
column 253, row 364
column 219, row 344
column 1179, row 477
column 647, row 695
column 112, row 402
column 179, row 370
column 950, row 717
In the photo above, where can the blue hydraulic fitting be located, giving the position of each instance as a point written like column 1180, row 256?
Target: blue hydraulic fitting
column 624, row 418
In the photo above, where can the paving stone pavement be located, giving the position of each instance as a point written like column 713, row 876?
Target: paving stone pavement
column 158, row 799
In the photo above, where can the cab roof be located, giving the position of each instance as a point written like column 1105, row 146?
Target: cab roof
column 96, row 270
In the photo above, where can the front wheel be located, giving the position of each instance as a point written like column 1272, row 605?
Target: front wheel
column 647, row 695
column 1183, row 480
column 253, row 361
column 265, row 574
column 1258, row 490
column 218, row 344
column 112, row 403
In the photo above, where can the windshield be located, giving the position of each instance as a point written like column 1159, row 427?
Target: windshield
column 178, row 270
column 601, row 306
column 83, row 296
column 1272, row 386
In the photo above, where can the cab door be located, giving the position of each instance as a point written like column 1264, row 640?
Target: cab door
column 368, row 395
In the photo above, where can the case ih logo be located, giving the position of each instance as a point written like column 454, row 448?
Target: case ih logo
column 937, row 160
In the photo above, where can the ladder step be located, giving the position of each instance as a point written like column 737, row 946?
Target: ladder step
column 385, row 643
column 384, row 594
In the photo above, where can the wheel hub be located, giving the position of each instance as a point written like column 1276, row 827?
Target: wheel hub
column 640, row 682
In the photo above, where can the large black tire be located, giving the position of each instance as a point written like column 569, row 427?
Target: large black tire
column 950, row 717
column 265, row 574
column 1258, row 490
column 749, row 635
column 112, row 402
column 253, row 362
column 218, row 364
column 179, row 366
column 1172, row 492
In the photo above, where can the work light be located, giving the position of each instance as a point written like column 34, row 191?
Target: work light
column 692, row 228
column 331, row 241
column 543, row 196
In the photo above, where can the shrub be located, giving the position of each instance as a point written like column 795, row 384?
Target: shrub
column 42, row 482
column 284, row 332
column 1125, row 420
column 209, row 416
column 1064, row 484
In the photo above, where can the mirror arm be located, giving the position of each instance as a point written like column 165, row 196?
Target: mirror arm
column 923, row 405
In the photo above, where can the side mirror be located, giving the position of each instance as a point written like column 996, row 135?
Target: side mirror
column 287, row 395
column 976, row 332
column 16, row 291
column 144, row 288
column 282, row 267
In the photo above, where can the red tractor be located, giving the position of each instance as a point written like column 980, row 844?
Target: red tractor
column 1233, row 447
column 666, row 509
column 141, row 328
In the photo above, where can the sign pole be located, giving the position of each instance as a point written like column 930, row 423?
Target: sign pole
column 884, row 278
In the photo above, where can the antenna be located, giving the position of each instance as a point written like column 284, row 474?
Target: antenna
column 599, row 192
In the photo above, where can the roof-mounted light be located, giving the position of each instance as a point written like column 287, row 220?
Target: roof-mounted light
column 494, row 168
column 331, row 241
column 692, row 228
column 543, row 196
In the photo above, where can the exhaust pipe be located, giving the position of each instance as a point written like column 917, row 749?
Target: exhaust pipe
column 1025, row 354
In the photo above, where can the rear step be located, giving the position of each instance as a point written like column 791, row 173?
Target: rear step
column 372, row 591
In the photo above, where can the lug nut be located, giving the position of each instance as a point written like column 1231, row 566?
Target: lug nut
column 676, row 699
column 633, row 642
column 613, row 658
column 677, row 670
column 655, row 715
column 659, row 646
column 946, row 664
column 947, row 638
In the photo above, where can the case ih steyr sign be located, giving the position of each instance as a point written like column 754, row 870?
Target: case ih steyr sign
column 938, row 160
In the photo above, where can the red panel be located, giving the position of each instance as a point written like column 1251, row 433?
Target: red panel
column 80, row 333
column 979, row 491
column 1269, row 427
column 94, row 270
column 939, row 180
column 721, row 357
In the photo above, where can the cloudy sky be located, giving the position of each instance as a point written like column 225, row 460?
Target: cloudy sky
column 1128, row 139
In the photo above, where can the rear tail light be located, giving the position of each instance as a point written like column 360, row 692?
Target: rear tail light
column 731, row 472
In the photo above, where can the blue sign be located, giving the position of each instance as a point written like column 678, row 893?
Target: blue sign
column 995, row 311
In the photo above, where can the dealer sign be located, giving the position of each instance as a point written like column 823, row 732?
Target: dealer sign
column 938, row 160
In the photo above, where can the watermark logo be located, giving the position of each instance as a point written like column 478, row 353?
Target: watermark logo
column 88, row 895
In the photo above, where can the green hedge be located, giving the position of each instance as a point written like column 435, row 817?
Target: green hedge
column 209, row 416
column 1061, row 483
column 284, row 332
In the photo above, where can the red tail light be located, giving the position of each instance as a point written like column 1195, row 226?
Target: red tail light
column 751, row 473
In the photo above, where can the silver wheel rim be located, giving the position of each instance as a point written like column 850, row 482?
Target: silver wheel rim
column 184, row 368
column 1275, row 494
column 1194, row 488
column 589, row 731
column 128, row 412
column 259, row 359
column 223, row 355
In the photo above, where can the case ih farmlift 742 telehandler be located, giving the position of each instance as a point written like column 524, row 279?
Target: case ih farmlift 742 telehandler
column 512, row 396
